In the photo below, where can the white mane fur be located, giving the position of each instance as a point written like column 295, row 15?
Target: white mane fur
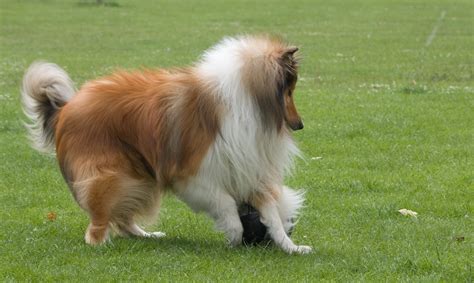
column 244, row 154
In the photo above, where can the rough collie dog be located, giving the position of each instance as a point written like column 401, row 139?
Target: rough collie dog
column 217, row 135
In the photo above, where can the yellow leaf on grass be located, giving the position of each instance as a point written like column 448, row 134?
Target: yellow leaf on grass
column 407, row 212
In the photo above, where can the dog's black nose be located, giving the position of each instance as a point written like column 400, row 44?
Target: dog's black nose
column 300, row 125
column 297, row 126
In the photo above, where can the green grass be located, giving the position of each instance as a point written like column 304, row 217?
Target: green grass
column 388, row 125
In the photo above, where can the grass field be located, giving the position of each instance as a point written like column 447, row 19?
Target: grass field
column 387, row 96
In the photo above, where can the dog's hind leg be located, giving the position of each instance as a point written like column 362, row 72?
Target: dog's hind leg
column 132, row 229
column 97, row 196
column 114, row 199
column 140, row 198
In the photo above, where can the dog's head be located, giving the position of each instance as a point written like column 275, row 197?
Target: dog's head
column 270, row 74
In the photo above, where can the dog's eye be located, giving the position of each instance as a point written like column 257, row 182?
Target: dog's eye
column 290, row 93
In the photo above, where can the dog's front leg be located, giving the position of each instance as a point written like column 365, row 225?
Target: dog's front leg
column 270, row 217
column 226, row 217
column 219, row 205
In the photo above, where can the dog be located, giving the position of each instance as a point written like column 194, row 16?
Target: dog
column 217, row 135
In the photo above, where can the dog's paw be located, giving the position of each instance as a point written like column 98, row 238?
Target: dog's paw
column 155, row 235
column 97, row 234
column 299, row 250
column 235, row 240
column 235, row 237
column 232, row 230
column 94, row 241
column 304, row 249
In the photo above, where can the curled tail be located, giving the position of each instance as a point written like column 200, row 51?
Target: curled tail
column 46, row 88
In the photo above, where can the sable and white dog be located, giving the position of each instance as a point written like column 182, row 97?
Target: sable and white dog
column 217, row 134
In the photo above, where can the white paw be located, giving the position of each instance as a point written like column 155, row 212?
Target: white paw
column 89, row 240
column 303, row 250
column 235, row 240
column 94, row 242
column 95, row 239
column 299, row 250
column 232, row 230
column 235, row 236
column 155, row 235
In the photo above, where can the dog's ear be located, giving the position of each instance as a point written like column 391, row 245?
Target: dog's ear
column 290, row 51
column 289, row 58
column 289, row 62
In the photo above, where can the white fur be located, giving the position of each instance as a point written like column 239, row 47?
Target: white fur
column 244, row 159
column 243, row 154
column 135, row 230
column 289, row 204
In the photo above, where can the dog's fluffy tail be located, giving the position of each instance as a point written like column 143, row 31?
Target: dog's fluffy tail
column 45, row 89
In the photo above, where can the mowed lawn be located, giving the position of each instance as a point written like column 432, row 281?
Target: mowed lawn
column 386, row 91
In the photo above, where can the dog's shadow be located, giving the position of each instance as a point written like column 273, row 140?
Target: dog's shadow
column 168, row 243
column 179, row 244
column 212, row 248
column 173, row 243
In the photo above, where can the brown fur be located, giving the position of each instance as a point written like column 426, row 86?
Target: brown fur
column 123, row 139
column 269, row 195
column 292, row 117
